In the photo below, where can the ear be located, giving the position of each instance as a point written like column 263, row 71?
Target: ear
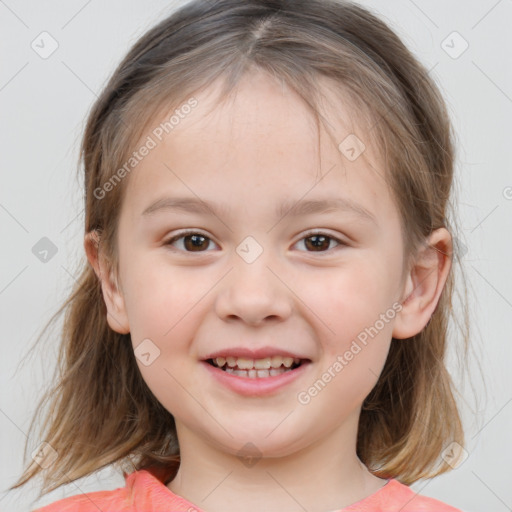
column 112, row 295
column 424, row 284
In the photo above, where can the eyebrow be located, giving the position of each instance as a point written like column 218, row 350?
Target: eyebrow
column 287, row 207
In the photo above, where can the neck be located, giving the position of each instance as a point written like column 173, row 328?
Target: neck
column 322, row 477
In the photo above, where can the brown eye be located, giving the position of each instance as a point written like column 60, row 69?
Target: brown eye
column 190, row 242
column 319, row 242
column 195, row 242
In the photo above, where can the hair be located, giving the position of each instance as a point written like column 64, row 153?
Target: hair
column 101, row 411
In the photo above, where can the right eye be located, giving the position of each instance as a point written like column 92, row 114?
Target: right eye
column 190, row 241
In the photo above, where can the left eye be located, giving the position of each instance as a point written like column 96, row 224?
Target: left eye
column 319, row 242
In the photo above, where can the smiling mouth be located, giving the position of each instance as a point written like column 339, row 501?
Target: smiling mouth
column 259, row 368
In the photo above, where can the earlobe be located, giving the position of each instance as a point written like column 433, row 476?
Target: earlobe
column 112, row 294
column 424, row 284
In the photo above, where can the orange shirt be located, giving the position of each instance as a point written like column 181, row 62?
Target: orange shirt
column 143, row 492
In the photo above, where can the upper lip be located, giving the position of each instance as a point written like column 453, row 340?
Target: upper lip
column 260, row 353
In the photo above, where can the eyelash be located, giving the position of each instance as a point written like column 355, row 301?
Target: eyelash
column 306, row 236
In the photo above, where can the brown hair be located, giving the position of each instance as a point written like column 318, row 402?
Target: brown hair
column 101, row 411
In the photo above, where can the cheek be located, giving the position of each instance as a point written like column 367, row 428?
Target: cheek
column 163, row 306
column 160, row 299
column 357, row 305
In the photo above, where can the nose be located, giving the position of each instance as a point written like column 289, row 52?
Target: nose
column 254, row 294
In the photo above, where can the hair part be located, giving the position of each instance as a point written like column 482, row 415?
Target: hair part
column 411, row 414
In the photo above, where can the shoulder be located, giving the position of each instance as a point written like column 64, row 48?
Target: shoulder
column 138, row 488
column 396, row 496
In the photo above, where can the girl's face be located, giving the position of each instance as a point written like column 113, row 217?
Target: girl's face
column 272, row 270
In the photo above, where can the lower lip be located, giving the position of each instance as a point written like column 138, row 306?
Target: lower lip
column 258, row 386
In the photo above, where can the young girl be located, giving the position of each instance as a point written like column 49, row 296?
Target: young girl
column 262, row 319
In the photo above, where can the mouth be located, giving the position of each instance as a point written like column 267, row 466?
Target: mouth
column 257, row 368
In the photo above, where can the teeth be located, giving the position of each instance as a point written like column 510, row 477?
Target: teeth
column 245, row 364
column 288, row 361
column 253, row 374
column 257, row 364
column 263, row 364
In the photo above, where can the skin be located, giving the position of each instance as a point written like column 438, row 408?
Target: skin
column 249, row 154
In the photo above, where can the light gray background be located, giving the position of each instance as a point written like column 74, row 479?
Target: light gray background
column 44, row 103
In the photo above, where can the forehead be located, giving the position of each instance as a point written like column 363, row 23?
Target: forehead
column 262, row 103
column 260, row 138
